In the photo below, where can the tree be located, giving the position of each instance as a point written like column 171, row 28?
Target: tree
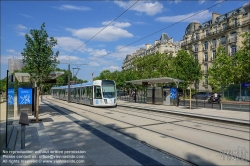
column 39, row 57
column 241, row 61
column 222, row 71
column 186, row 68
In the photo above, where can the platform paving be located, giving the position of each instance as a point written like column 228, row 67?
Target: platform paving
column 94, row 144
column 237, row 117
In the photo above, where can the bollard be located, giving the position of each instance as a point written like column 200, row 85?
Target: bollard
column 22, row 136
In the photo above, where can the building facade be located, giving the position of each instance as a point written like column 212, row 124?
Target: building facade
column 164, row 45
column 15, row 64
column 202, row 40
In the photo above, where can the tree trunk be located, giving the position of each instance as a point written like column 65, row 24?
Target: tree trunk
column 190, row 97
column 37, row 103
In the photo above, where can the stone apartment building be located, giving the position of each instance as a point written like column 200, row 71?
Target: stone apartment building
column 202, row 40
column 164, row 44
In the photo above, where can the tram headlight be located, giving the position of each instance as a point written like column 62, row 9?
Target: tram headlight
column 114, row 100
column 105, row 101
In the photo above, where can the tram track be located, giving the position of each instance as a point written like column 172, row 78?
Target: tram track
column 163, row 114
column 187, row 126
column 143, row 126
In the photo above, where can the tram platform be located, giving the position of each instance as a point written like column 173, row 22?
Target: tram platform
column 229, row 116
column 66, row 138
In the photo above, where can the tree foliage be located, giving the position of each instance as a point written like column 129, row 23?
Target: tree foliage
column 38, row 56
column 242, row 61
column 227, row 70
column 185, row 67
column 222, row 71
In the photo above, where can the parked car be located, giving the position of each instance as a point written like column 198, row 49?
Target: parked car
column 201, row 95
column 242, row 98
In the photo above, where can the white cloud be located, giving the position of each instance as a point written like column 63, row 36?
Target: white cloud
column 96, row 53
column 72, row 7
column 21, row 27
column 177, row 1
column 93, row 64
column 117, row 24
column 69, row 44
column 112, row 68
column 219, row 1
column 110, row 33
column 201, row 1
column 201, row 17
column 26, row 15
column 122, row 51
column 73, row 59
column 21, row 33
column 10, row 50
column 147, row 7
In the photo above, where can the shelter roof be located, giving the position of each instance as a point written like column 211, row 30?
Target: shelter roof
column 156, row 80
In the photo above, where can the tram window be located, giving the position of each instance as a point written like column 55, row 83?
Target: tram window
column 84, row 94
column 90, row 92
column 97, row 92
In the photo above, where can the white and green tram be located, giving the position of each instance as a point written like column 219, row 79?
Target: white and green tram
column 99, row 93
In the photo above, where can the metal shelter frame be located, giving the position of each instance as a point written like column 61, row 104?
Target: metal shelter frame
column 156, row 80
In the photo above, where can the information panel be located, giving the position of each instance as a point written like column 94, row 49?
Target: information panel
column 25, row 100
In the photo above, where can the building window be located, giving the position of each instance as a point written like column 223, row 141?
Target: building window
column 197, row 36
column 207, row 32
column 205, row 45
column 233, row 50
column 196, row 56
column 205, row 68
column 245, row 14
column 223, row 40
column 235, row 22
column 224, row 26
column 213, row 43
column 205, row 56
column 196, row 47
column 215, row 29
column 214, row 54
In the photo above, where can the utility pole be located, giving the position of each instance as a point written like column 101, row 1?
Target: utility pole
column 69, row 93
column 93, row 76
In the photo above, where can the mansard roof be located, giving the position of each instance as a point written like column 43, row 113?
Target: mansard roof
column 164, row 37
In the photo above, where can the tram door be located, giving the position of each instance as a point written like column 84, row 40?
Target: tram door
column 166, row 96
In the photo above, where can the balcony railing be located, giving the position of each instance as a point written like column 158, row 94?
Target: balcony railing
column 232, row 39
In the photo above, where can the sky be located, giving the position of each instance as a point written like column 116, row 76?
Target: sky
column 83, row 40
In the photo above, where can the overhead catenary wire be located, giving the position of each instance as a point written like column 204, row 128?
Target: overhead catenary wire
column 153, row 33
column 101, row 30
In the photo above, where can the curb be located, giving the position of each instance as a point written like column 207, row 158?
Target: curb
column 238, row 122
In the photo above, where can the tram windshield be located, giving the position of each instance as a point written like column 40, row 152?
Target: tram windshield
column 108, row 91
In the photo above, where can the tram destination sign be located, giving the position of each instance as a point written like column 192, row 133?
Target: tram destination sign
column 246, row 84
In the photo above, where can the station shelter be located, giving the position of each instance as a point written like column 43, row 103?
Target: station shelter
column 159, row 95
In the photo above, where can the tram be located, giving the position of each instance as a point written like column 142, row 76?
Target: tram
column 99, row 93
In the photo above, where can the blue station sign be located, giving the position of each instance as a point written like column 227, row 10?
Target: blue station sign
column 24, row 96
column 245, row 84
column 11, row 96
